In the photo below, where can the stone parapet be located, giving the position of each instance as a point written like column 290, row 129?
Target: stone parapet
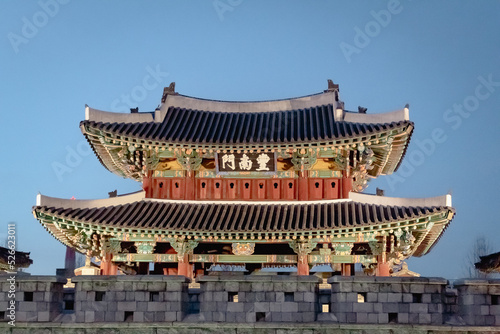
column 479, row 301
column 37, row 298
column 254, row 300
column 130, row 298
column 382, row 300
column 259, row 298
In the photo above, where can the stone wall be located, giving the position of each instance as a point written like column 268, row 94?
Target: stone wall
column 130, row 298
column 382, row 300
column 479, row 301
column 37, row 298
column 255, row 299
column 258, row 298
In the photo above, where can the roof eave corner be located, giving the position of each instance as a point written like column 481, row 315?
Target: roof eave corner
column 87, row 112
column 406, row 113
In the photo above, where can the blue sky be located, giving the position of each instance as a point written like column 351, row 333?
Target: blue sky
column 440, row 57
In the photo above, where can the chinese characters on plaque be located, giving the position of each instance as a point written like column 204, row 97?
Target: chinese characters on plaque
column 246, row 162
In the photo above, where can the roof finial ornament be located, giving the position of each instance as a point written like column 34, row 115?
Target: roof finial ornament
column 362, row 110
column 407, row 106
column 333, row 88
column 168, row 90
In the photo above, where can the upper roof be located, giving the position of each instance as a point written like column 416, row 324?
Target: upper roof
column 183, row 125
column 196, row 218
column 316, row 121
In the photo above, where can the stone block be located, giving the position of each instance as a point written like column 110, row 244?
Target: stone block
column 372, row 318
column 403, row 318
column 382, row 297
column 424, row 318
column 156, row 286
column 308, row 317
column 479, row 299
column 126, row 306
column 418, row 308
column 298, row 296
column 371, row 297
column 147, row 316
column 350, row 317
column 290, row 307
column 435, row 308
column 109, row 316
column 89, row 316
column 250, row 317
column 262, row 307
column 341, row 307
column 170, row 316
column 433, row 288
column 394, row 297
column 436, row 319
column 26, row 316
column 361, row 317
column 80, row 317
column 309, row 297
column 219, row 296
column 383, row 318
column 417, row 288
column 235, row 307
column 306, row 307
column 270, row 296
column 27, row 306
column 275, row 306
column 260, row 296
column 390, row 307
column 289, row 286
column 363, row 307
column 43, row 316
column 141, row 296
column 378, row 307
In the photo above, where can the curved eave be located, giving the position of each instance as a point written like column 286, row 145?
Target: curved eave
column 388, row 154
column 231, row 220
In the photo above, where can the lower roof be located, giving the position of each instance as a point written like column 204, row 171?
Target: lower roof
column 235, row 218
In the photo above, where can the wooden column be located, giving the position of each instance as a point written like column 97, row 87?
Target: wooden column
column 184, row 267
column 346, row 185
column 302, row 249
column 183, row 249
column 303, row 186
column 107, row 266
column 347, row 269
column 190, row 185
column 147, row 184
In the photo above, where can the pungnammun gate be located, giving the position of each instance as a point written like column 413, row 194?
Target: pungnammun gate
column 272, row 186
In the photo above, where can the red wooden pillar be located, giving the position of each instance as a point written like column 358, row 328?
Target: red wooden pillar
column 190, row 187
column 303, row 186
column 147, row 185
column 302, row 265
column 346, row 186
column 185, row 268
column 383, row 268
column 107, row 266
column 347, row 269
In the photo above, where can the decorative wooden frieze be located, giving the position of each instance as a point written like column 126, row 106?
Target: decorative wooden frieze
column 183, row 247
column 240, row 248
column 303, row 159
column 189, row 159
column 303, row 248
column 152, row 160
column 145, row 247
column 376, row 247
column 342, row 248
